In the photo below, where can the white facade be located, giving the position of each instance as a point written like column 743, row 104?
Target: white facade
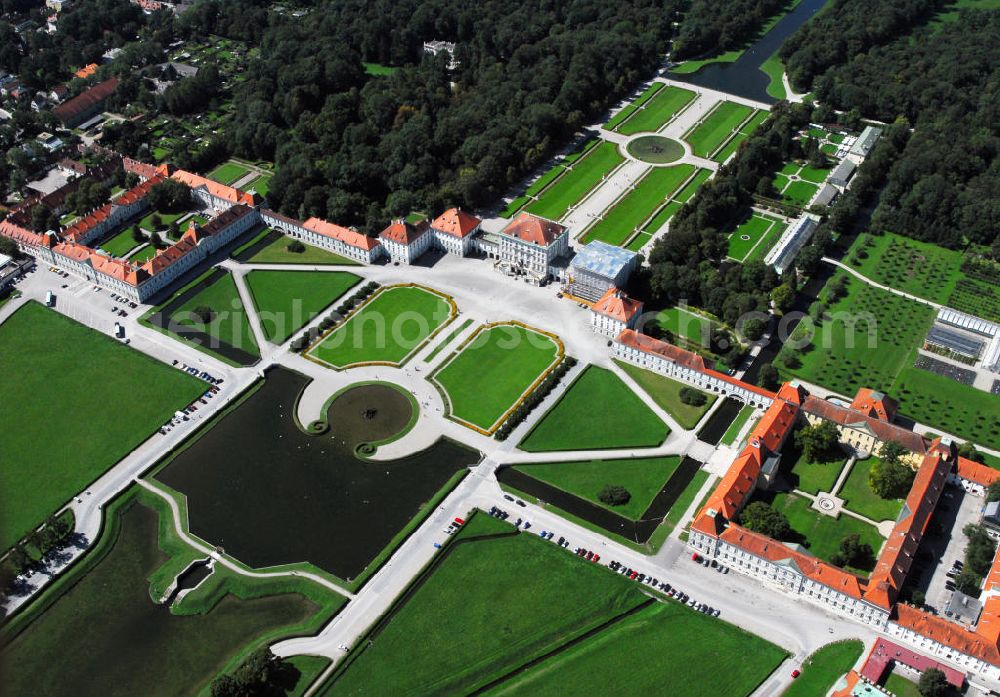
column 609, row 326
column 296, row 230
column 400, row 253
column 939, row 650
column 459, row 246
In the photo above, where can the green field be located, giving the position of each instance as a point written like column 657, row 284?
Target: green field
column 378, row 70
column 165, row 219
column 716, row 127
column 261, row 184
column 685, row 326
column 900, row 686
column 229, row 323
column 657, row 111
column 859, row 497
column 141, row 256
column 388, row 328
column 799, row 193
column 774, row 70
column 489, row 375
column 729, row 437
column 666, row 393
column 277, row 253
column 584, row 175
column 101, row 400
column 812, row 477
column 121, row 244
column 228, row 172
column 642, row 477
column 663, row 644
column 578, row 422
column 545, row 598
column 633, row 209
column 106, row 598
column 689, row 67
column 744, row 132
column 824, row 667
column 956, row 408
column 288, row 300
column 761, row 232
column 630, row 108
column 822, row 534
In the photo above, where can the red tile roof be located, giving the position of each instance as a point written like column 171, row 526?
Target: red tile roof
column 71, row 109
column 139, row 191
column 456, row 222
column 618, row 306
column 875, row 404
column 884, row 653
column 165, row 258
column 882, row 430
column 86, row 71
column 79, row 229
column 24, row 235
column 227, row 193
column 531, row 228
column 402, row 232
column 983, row 475
column 899, row 550
column 948, row 633
column 348, row 236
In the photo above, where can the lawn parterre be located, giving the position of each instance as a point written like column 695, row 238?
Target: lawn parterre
column 490, row 373
column 141, row 256
column 387, row 329
column 464, row 642
column 288, row 300
column 859, row 497
column 744, row 132
column 642, row 477
column 754, row 238
column 107, row 599
column 121, row 244
column 824, row 667
column 276, row 252
column 686, row 326
column 729, row 437
column 813, row 477
column 667, row 103
column 229, row 323
column 228, row 172
column 574, row 423
column 577, row 181
column 716, row 127
column 102, row 399
column 630, row 109
column 662, row 644
column 638, row 205
column 666, row 393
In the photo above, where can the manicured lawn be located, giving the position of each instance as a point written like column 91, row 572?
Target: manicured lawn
column 706, row 137
column 165, row 219
column 639, row 204
column 655, row 149
column 686, row 325
column 799, row 193
column 527, row 598
column 663, row 644
column 859, row 497
column 388, row 328
column 261, row 184
column 774, row 70
column 109, row 603
column 688, row 67
column 629, row 109
column 121, row 244
column 642, row 477
column 143, row 255
column 490, row 373
column 822, row 534
column 689, row 190
column 309, row 668
column 277, row 253
column 666, row 393
column 729, row 437
column 756, row 231
column 812, row 477
column 579, row 422
column 229, row 323
column 658, row 110
column 824, row 667
column 585, row 174
column 900, row 686
column 228, row 172
column 288, row 300
column 88, row 398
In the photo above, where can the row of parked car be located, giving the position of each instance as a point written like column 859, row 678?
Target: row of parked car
column 184, row 414
column 204, row 374
column 124, row 301
column 663, row 586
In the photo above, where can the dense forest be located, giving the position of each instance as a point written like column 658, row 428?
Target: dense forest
column 358, row 149
column 942, row 80
column 710, row 27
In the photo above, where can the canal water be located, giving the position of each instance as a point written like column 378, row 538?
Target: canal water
column 270, row 494
column 743, row 77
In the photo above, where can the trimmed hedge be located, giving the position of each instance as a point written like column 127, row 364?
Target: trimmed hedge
column 535, row 398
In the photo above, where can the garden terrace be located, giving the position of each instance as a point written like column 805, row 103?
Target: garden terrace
column 653, row 114
column 628, row 214
column 576, row 180
column 285, row 301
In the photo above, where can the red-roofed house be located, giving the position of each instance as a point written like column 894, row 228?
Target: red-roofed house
column 454, row 231
column 875, row 404
column 528, row 246
column 405, row 242
column 614, row 313
column 75, row 111
column 864, row 433
column 212, row 193
column 340, row 240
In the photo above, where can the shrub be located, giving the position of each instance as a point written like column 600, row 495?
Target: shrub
column 614, row 495
column 692, row 397
column 204, row 313
column 296, row 247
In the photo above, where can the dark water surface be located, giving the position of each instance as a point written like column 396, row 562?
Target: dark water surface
column 270, row 494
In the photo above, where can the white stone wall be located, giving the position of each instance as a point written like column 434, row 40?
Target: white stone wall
column 939, row 650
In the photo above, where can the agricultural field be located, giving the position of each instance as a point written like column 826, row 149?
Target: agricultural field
column 642, row 478
column 824, row 667
column 106, row 598
column 627, row 216
column 575, row 423
column 117, row 397
column 859, row 497
column 228, row 172
column 753, row 238
column 657, row 111
column 820, row 533
column 288, row 300
column 388, row 328
column 490, row 374
column 576, row 182
column 666, row 393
